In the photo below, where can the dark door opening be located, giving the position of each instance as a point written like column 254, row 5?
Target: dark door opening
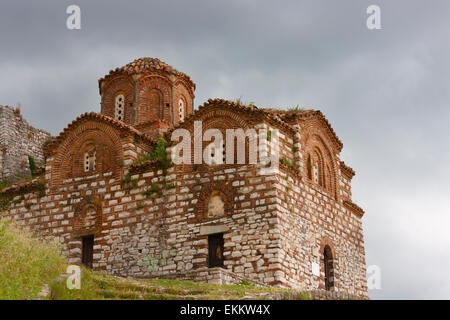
column 87, row 251
column 215, row 250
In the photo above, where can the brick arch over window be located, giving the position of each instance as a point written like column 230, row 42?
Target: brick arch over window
column 216, row 204
column 320, row 164
column 181, row 85
column 328, row 264
column 88, row 154
column 121, row 85
column 87, row 219
column 182, row 92
column 153, row 100
column 208, row 191
column 89, row 137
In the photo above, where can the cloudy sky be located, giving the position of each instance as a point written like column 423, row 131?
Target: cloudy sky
column 384, row 91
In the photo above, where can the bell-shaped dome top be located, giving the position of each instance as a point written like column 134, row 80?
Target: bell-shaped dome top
column 147, row 64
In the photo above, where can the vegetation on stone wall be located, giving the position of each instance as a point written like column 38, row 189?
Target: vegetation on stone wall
column 41, row 187
column 286, row 162
column 127, row 183
column 153, row 189
column 159, row 155
column 5, row 201
column 4, row 184
column 32, row 164
column 47, row 142
column 295, row 109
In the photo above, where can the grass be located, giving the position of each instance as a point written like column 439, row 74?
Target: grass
column 98, row 286
column 5, row 184
column 296, row 109
column 26, row 264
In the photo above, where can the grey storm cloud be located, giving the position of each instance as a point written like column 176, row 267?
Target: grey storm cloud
column 385, row 93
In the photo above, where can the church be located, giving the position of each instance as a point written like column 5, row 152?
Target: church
column 111, row 193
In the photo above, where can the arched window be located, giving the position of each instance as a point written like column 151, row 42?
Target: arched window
column 89, row 155
column 90, row 161
column 119, row 107
column 328, row 266
column 309, row 167
column 327, row 180
column 318, row 168
column 216, row 205
column 181, row 110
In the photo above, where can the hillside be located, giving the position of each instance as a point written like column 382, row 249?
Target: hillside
column 28, row 265
column 100, row 286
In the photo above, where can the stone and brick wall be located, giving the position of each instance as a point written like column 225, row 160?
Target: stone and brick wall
column 152, row 91
column 275, row 227
column 295, row 226
column 18, row 140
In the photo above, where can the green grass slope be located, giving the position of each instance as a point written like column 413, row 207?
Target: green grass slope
column 99, row 286
column 27, row 265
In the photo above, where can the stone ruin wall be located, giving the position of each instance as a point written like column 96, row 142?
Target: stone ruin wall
column 18, row 140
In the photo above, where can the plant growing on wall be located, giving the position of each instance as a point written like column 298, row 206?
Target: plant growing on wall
column 159, row 154
column 40, row 187
column 285, row 161
column 127, row 183
column 5, row 201
column 140, row 205
column 32, row 164
column 4, row 184
column 152, row 190
column 296, row 109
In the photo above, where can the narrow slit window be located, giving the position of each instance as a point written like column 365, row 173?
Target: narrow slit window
column 224, row 153
column 86, row 162
column 181, row 110
column 309, row 167
column 119, row 108
column 90, row 161
column 328, row 265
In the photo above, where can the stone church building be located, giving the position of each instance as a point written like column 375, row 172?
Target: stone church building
column 118, row 206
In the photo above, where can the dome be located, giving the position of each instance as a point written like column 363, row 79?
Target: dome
column 147, row 64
